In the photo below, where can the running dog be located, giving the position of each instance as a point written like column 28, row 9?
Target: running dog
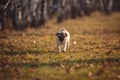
column 62, row 39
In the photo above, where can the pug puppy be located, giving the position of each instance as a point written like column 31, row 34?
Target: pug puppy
column 62, row 39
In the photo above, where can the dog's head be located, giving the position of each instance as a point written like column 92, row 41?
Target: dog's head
column 61, row 36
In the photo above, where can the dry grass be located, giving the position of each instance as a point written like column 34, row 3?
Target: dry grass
column 31, row 54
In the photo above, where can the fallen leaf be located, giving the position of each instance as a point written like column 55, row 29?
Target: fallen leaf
column 74, row 42
column 34, row 42
column 118, row 76
column 69, row 69
column 100, row 71
column 37, row 78
column 23, row 34
column 77, row 66
column 62, row 66
column 31, row 70
column 90, row 74
column 91, row 65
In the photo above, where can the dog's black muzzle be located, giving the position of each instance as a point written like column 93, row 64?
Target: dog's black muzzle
column 61, row 38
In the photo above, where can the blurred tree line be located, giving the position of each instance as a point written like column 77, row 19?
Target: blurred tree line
column 34, row 13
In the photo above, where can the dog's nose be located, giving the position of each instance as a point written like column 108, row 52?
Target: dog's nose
column 61, row 39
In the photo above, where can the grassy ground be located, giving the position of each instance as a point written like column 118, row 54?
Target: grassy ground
column 31, row 54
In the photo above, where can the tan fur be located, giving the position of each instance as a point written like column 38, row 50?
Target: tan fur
column 65, row 43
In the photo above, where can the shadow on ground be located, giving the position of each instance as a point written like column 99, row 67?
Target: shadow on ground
column 103, row 62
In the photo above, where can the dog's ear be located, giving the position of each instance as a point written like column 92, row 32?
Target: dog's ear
column 56, row 34
column 66, row 34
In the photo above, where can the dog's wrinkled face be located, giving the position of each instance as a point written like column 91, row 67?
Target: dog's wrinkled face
column 61, row 36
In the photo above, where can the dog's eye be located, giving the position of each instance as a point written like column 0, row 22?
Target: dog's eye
column 65, row 35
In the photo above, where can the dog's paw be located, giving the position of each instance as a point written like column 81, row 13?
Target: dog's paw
column 63, row 50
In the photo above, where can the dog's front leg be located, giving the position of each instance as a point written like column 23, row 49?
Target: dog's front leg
column 64, row 46
column 58, row 48
column 68, row 44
